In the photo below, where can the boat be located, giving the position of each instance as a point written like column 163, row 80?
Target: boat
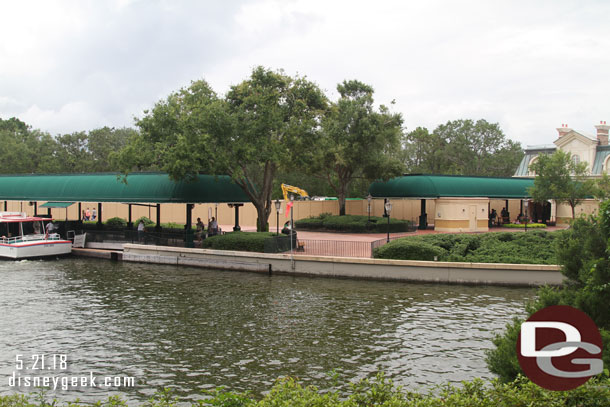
column 24, row 237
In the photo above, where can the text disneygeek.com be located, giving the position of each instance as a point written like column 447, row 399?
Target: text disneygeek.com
column 28, row 374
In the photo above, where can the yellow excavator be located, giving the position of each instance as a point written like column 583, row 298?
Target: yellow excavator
column 295, row 190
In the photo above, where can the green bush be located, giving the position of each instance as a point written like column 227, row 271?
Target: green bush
column 522, row 225
column 239, row 241
column 582, row 251
column 147, row 222
column 536, row 247
column 353, row 224
column 116, row 223
column 405, row 249
column 288, row 392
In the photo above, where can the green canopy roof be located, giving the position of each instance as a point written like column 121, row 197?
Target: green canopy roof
column 56, row 204
column 435, row 186
column 140, row 187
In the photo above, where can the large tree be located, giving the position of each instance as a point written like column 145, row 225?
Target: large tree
column 357, row 141
column 560, row 177
column 463, row 147
column 263, row 124
column 25, row 150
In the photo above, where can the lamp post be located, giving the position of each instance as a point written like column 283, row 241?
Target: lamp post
column 291, row 231
column 526, row 214
column 388, row 209
column 278, row 205
column 369, row 198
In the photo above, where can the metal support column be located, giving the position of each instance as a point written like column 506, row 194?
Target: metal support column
column 236, row 228
column 158, row 226
column 423, row 217
column 99, row 215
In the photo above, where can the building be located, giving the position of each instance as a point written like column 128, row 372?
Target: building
column 595, row 151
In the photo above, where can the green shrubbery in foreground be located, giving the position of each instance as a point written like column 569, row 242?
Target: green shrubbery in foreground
column 583, row 252
column 536, row 247
column 379, row 392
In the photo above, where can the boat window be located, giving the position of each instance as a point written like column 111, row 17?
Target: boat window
column 28, row 228
column 13, row 229
column 4, row 229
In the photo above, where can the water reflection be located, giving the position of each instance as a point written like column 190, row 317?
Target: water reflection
column 195, row 329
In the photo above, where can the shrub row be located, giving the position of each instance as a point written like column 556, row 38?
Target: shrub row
column 239, row 241
column 379, row 392
column 353, row 224
column 537, row 247
column 522, row 225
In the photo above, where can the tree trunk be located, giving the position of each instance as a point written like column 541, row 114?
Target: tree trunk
column 342, row 192
column 573, row 211
column 341, row 205
column 262, row 212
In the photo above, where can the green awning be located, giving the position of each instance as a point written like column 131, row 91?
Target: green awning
column 437, row 186
column 56, row 204
column 140, row 187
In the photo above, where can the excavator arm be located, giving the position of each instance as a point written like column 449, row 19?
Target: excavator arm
column 295, row 190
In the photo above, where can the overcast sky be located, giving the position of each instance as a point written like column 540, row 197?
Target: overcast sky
column 529, row 65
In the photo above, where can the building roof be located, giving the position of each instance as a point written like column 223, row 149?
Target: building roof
column 530, row 153
column 600, row 157
column 436, row 186
column 107, row 187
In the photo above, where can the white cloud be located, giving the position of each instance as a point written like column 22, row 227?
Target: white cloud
column 528, row 65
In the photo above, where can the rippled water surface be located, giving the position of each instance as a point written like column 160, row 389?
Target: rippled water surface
column 196, row 329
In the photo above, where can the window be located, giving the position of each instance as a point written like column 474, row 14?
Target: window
column 576, row 159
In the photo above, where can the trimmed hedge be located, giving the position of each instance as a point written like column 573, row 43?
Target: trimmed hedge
column 537, row 247
column 409, row 250
column 116, row 223
column 239, row 241
column 522, row 225
column 353, row 224
column 289, row 392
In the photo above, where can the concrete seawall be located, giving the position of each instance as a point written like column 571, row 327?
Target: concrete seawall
column 343, row 267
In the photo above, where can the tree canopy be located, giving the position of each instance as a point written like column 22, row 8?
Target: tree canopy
column 561, row 178
column 462, row 147
column 32, row 151
column 357, row 141
column 263, row 124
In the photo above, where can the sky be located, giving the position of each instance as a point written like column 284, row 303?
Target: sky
column 531, row 66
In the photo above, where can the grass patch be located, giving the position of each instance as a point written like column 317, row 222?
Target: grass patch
column 537, row 247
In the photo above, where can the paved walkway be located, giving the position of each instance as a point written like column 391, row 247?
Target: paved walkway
column 371, row 237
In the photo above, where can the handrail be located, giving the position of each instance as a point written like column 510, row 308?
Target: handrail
column 29, row 238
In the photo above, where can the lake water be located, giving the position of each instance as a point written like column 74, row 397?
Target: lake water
column 194, row 329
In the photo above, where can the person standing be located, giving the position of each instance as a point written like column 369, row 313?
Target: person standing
column 140, row 230
column 200, row 227
column 93, row 214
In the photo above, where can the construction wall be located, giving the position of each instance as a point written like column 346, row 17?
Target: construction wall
column 408, row 209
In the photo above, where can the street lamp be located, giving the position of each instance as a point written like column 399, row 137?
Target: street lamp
column 526, row 213
column 291, row 231
column 369, row 198
column 388, row 209
column 278, row 205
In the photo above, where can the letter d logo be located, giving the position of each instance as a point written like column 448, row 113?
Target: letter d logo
column 559, row 348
